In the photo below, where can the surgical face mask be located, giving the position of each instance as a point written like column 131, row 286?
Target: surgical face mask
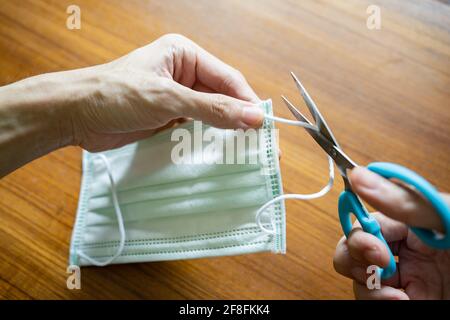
column 147, row 201
column 160, row 200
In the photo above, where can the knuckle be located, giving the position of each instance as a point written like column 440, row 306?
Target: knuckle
column 355, row 239
column 232, row 81
column 227, row 83
column 406, row 206
column 177, row 46
column 171, row 38
column 218, row 107
column 238, row 74
column 406, row 209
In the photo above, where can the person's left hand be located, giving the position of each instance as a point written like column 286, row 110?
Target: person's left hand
column 132, row 97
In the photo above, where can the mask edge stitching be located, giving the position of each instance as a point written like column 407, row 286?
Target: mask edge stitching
column 183, row 251
column 168, row 241
column 80, row 219
column 275, row 180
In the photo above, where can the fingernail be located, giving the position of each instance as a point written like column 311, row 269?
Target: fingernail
column 252, row 115
column 372, row 255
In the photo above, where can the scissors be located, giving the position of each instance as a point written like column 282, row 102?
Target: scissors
column 349, row 202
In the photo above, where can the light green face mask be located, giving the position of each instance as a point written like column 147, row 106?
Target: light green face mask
column 137, row 205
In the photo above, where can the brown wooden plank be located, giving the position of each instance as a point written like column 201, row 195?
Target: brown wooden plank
column 385, row 93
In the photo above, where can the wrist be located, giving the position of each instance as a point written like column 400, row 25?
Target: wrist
column 36, row 116
column 40, row 106
column 52, row 102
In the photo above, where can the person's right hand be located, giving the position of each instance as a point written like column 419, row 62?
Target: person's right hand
column 422, row 272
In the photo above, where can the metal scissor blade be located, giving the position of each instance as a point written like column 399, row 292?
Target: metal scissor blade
column 297, row 114
column 306, row 124
column 343, row 162
column 320, row 121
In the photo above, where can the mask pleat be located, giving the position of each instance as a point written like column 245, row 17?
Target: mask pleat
column 144, row 165
column 201, row 185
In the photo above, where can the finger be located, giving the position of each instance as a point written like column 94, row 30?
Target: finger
column 367, row 249
column 396, row 201
column 219, row 110
column 345, row 265
column 349, row 267
column 393, row 231
column 222, row 78
column 384, row 293
column 356, row 263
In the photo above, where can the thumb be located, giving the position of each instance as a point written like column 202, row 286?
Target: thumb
column 394, row 200
column 221, row 111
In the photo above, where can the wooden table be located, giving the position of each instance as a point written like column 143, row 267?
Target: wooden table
column 385, row 92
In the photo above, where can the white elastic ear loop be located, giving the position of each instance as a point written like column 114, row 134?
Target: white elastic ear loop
column 291, row 122
column 311, row 196
column 119, row 220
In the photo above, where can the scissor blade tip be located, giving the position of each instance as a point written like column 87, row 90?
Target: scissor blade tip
column 286, row 101
column 297, row 82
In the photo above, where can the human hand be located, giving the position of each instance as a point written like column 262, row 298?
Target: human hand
column 134, row 96
column 422, row 272
column 113, row 104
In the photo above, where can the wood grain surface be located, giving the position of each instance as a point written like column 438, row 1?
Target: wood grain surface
column 385, row 93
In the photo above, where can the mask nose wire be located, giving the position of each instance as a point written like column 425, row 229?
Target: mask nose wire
column 297, row 196
column 119, row 220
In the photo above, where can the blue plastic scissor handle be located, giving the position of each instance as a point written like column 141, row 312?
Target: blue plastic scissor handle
column 350, row 204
